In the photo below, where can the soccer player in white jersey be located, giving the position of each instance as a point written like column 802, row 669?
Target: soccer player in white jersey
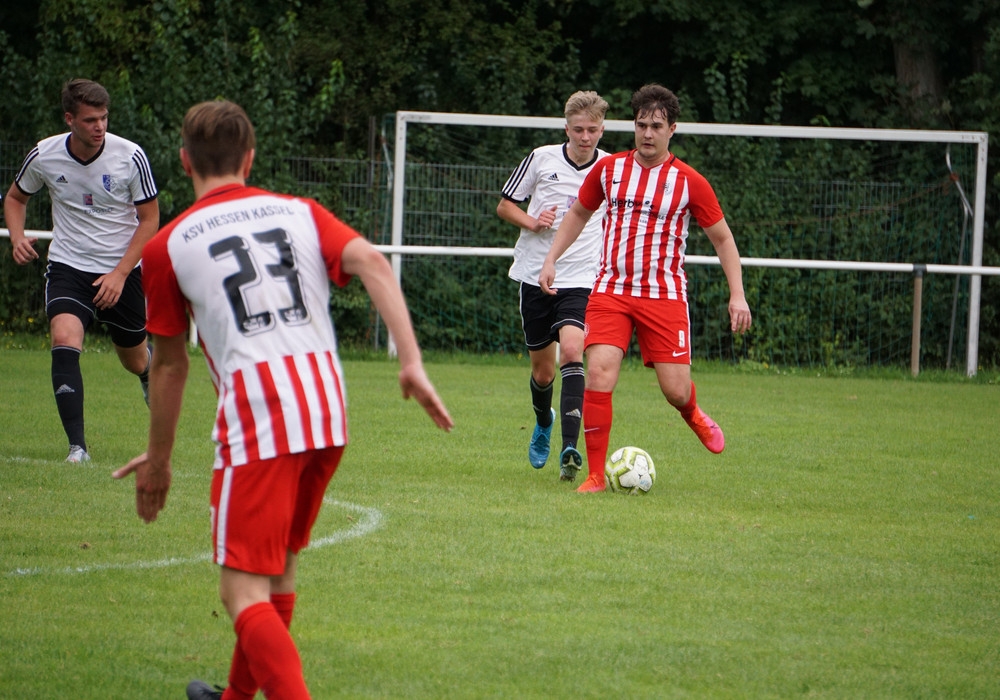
column 550, row 176
column 104, row 209
column 253, row 269
column 649, row 198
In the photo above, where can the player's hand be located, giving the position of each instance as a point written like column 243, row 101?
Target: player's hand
column 740, row 318
column 109, row 289
column 151, row 485
column 547, row 277
column 24, row 251
column 545, row 220
column 415, row 384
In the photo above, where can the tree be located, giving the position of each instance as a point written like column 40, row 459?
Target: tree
column 313, row 73
column 438, row 55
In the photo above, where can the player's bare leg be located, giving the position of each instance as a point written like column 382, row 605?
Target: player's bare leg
column 677, row 387
column 136, row 360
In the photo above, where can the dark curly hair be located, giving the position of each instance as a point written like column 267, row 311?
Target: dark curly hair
column 653, row 98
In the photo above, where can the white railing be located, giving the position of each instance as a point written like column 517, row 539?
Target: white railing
column 916, row 269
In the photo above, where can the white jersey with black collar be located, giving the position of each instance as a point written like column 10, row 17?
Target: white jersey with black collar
column 93, row 202
column 549, row 178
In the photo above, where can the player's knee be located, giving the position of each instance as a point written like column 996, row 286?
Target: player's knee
column 543, row 376
column 677, row 394
column 543, row 368
column 601, row 379
column 571, row 352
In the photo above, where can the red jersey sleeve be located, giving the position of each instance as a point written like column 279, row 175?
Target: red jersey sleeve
column 702, row 200
column 334, row 234
column 166, row 308
column 592, row 193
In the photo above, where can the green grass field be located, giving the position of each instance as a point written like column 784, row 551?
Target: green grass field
column 845, row 545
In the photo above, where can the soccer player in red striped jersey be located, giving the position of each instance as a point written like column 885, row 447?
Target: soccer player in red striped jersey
column 253, row 270
column 649, row 197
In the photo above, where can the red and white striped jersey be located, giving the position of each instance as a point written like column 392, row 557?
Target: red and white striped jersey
column 253, row 269
column 647, row 211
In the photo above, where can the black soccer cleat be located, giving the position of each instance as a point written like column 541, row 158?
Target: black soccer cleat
column 200, row 690
column 570, row 462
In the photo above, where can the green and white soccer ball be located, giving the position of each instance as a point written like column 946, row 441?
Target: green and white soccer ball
column 630, row 471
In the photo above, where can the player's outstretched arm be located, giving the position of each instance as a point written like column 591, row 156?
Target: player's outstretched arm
column 360, row 258
column 168, row 372
column 722, row 239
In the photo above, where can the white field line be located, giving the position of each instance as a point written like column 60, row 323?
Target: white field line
column 369, row 521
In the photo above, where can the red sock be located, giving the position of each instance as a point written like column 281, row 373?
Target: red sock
column 242, row 686
column 597, row 416
column 284, row 603
column 687, row 410
column 270, row 653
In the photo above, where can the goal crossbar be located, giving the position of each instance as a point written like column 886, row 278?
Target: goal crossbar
column 980, row 139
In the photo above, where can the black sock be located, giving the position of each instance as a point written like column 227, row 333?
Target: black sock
column 571, row 403
column 541, row 402
column 67, row 384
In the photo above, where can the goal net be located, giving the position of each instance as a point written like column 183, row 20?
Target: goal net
column 832, row 225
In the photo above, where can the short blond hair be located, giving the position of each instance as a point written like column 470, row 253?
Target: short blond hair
column 586, row 102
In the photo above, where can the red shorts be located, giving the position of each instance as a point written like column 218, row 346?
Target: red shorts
column 662, row 326
column 262, row 510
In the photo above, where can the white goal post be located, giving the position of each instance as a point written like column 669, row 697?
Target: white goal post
column 974, row 270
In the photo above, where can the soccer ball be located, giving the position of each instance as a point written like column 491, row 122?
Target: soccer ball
column 630, row 471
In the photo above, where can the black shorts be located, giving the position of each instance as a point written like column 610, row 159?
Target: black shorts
column 542, row 315
column 71, row 291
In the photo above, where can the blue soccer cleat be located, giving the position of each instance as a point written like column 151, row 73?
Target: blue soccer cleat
column 538, row 450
